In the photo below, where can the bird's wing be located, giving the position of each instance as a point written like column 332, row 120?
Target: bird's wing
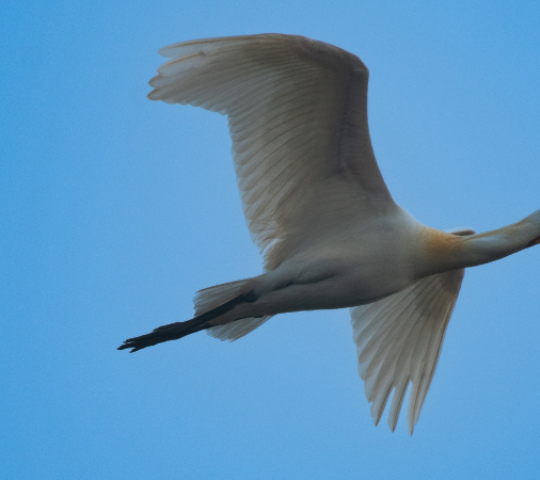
column 398, row 341
column 297, row 112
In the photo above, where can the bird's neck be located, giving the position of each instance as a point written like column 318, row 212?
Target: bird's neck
column 449, row 252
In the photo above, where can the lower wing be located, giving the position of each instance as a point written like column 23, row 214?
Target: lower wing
column 398, row 341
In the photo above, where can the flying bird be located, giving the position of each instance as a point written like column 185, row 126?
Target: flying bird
column 321, row 214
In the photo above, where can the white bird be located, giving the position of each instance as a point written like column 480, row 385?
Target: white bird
column 318, row 208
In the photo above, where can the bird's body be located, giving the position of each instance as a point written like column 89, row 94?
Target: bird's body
column 320, row 274
column 318, row 208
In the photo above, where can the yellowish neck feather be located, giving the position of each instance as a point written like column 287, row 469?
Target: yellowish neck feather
column 444, row 251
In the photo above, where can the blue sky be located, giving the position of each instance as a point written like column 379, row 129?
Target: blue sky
column 114, row 210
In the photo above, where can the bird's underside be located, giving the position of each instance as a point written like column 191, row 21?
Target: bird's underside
column 312, row 193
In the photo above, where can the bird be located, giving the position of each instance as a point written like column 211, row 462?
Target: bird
column 317, row 207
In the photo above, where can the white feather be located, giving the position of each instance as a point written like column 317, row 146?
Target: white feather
column 297, row 116
column 398, row 342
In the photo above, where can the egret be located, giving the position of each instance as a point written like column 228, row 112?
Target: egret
column 318, row 208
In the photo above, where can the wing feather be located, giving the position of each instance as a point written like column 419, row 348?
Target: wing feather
column 398, row 341
column 297, row 115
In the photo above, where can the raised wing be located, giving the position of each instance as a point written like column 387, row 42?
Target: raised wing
column 297, row 112
column 398, row 341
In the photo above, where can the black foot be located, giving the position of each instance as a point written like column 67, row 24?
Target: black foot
column 173, row 331
column 177, row 330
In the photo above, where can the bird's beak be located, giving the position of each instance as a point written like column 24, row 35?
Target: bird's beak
column 536, row 241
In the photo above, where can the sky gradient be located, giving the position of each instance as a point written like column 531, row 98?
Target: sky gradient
column 114, row 210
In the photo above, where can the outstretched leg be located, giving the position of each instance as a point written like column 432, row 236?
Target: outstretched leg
column 174, row 331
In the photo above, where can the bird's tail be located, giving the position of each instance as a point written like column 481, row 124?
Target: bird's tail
column 209, row 298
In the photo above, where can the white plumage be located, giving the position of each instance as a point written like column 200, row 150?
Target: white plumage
column 318, row 208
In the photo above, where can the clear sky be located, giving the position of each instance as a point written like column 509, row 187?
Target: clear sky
column 114, row 210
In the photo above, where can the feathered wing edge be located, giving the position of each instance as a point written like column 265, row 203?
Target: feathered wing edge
column 398, row 342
